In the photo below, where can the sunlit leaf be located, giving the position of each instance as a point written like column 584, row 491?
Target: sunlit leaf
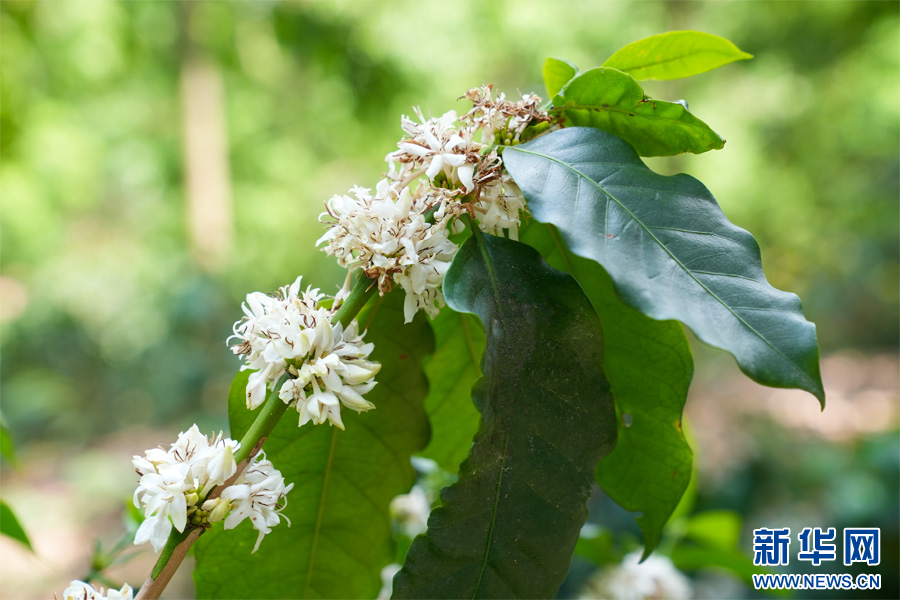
column 557, row 74
column 610, row 100
column 508, row 527
column 649, row 366
column 674, row 55
column 340, row 533
column 670, row 250
column 451, row 371
column 7, row 447
column 10, row 526
column 715, row 529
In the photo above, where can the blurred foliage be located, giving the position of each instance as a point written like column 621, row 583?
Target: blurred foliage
column 109, row 318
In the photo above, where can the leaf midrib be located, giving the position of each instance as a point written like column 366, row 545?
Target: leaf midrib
column 320, row 514
column 498, row 311
column 490, row 537
column 612, row 108
column 743, row 56
column 690, row 273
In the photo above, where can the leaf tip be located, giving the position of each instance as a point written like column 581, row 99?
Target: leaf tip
column 820, row 396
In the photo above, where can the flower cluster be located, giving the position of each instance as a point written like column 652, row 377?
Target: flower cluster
column 500, row 120
column 173, row 481
column 388, row 236
column 257, row 495
column 174, row 485
column 79, row 590
column 401, row 233
column 632, row 579
column 290, row 335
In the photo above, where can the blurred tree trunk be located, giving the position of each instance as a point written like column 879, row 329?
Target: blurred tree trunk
column 210, row 214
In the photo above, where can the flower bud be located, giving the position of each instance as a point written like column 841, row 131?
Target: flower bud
column 217, row 509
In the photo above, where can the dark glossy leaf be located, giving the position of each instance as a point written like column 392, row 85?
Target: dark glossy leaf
column 674, row 55
column 10, row 526
column 340, row 536
column 557, row 73
column 610, row 100
column 451, row 371
column 508, row 527
column 649, row 366
column 670, row 250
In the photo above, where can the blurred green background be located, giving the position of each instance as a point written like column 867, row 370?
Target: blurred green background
column 162, row 159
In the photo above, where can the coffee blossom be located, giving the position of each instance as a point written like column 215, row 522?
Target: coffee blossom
column 257, row 495
column 500, row 206
column 390, row 237
column 173, row 481
column 437, row 146
column 400, row 234
column 410, row 511
column 291, row 336
column 79, row 590
column 656, row 577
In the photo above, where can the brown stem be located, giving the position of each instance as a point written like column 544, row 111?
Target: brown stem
column 179, row 543
column 152, row 588
column 157, row 582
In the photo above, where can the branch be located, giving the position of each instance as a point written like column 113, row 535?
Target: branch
column 179, row 543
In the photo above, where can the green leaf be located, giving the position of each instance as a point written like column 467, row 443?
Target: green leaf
column 557, row 74
column 610, row 100
column 508, row 527
column 451, row 371
column 340, row 533
column 670, row 250
column 674, row 55
column 715, row 529
column 10, row 526
column 7, row 448
column 598, row 548
column 649, row 367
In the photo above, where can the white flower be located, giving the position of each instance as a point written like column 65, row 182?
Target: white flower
column 436, row 145
column 276, row 329
column 339, row 375
column 161, row 493
column 411, row 511
column 79, row 590
column 499, row 207
column 325, row 365
column 257, row 494
column 387, row 581
column 172, row 482
column 401, row 233
column 655, row 578
column 390, row 237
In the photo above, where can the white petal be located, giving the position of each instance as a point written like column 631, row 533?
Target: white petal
column 178, row 512
column 437, row 163
column 466, row 173
column 351, row 399
column 409, row 307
